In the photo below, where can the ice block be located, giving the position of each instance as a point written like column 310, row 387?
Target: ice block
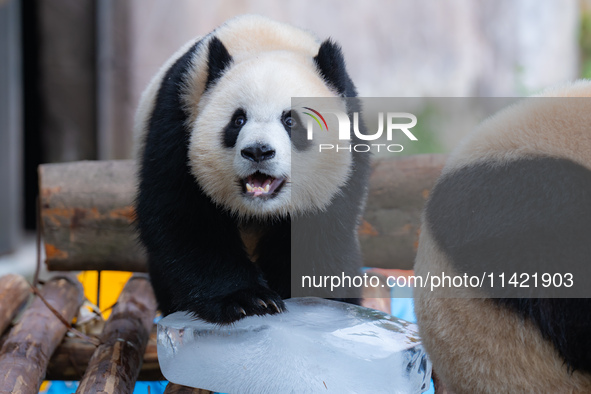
column 317, row 346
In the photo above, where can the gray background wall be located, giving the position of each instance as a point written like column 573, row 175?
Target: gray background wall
column 10, row 127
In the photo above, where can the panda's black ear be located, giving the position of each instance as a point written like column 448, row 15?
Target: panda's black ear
column 218, row 59
column 331, row 64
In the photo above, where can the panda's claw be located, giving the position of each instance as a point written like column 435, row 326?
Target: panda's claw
column 262, row 303
column 275, row 306
column 253, row 301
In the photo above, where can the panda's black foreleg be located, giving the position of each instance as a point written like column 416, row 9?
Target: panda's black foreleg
column 308, row 246
column 274, row 251
column 215, row 286
column 326, row 249
column 196, row 259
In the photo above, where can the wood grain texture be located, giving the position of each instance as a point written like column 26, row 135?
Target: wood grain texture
column 14, row 291
column 26, row 351
column 116, row 363
column 87, row 213
column 71, row 358
column 87, row 216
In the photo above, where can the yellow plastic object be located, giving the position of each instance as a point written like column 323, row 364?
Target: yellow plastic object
column 111, row 283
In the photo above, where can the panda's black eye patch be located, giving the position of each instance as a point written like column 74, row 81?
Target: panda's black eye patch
column 239, row 117
column 233, row 128
column 239, row 121
column 288, row 120
column 295, row 129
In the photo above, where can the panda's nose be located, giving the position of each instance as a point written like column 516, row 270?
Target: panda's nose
column 258, row 153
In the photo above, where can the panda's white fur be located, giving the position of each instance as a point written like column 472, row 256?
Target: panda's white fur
column 265, row 84
column 233, row 34
column 534, row 127
column 478, row 345
column 218, row 98
column 148, row 98
column 268, row 70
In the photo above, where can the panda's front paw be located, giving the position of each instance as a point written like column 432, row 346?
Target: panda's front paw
column 242, row 303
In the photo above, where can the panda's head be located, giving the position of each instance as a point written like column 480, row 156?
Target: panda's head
column 248, row 149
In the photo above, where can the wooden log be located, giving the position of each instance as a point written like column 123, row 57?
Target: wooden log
column 116, row 363
column 30, row 343
column 70, row 360
column 14, row 291
column 87, row 213
column 398, row 190
column 87, row 216
column 172, row 388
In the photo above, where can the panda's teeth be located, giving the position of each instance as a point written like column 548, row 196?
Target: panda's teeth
column 260, row 184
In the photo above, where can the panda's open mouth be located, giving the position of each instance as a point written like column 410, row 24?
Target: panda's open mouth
column 262, row 185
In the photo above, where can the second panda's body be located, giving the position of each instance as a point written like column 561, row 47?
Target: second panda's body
column 217, row 146
column 515, row 196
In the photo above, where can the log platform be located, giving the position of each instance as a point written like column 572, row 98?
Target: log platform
column 87, row 216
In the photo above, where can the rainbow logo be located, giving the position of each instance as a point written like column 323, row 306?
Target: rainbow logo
column 315, row 118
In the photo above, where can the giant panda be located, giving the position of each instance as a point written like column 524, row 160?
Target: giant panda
column 515, row 194
column 217, row 147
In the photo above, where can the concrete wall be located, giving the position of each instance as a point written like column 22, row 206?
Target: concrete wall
column 10, row 127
